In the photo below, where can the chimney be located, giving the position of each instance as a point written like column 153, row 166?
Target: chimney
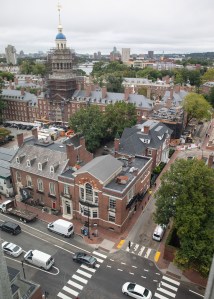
column 171, row 93
column 148, row 93
column 177, row 88
column 22, row 91
column 71, row 155
column 88, row 91
column 35, row 133
column 20, row 139
column 104, row 92
column 146, row 129
column 116, row 144
column 210, row 160
column 126, row 94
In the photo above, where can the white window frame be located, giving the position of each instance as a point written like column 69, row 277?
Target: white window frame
column 29, row 181
column 39, row 166
column 28, row 163
column 52, row 189
column 84, row 193
column 66, row 189
column 93, row 212
column 111, row 215
column 18, row 177
column 40, row 184
column 17, row 160
column 112, row 203
column 51, row 169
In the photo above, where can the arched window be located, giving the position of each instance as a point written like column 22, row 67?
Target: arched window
column 88, row 192
column 29, row 181
column 52, row 188
column 18, row 176
column 40, row 185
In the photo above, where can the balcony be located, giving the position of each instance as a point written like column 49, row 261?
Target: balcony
column 88, row 203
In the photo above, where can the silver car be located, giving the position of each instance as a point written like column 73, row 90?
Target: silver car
column 11, row 249
column 136, row 291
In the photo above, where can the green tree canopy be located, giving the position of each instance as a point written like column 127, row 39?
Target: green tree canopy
column 186, row 195
column 209, row 75
column 89, row 123
column 196, row 107
column 2, row 103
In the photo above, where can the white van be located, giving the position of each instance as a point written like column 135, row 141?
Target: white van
column 61, row 227
column 39, row 259
column 159, row 232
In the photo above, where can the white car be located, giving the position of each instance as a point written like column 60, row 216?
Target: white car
column 136, row 291
column 11, row 249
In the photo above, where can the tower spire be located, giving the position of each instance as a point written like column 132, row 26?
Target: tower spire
column 60, row 25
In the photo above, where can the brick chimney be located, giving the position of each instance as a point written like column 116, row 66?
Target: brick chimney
column 116, row 144
column 177, row 88
column 210, row 160
column 126, row 94
column 20, row 139
column 71, row 155
column 22, row 91
column 146, row 129
column 104, row 92
column 88, row 91
column 35, row 133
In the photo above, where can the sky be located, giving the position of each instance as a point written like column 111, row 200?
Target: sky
column 169, row 26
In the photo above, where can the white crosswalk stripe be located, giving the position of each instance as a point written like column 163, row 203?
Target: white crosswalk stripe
column 78, row 281
column 143, row 251
column 167, row 288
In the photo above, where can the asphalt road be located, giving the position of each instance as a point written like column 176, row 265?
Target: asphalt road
column 67, row 280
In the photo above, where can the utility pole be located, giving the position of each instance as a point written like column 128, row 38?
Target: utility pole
column 5, row 288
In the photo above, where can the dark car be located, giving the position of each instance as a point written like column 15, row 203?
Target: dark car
column 83, row 258
column 29, row 127
column 10, row 227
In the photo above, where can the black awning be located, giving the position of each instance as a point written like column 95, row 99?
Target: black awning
column 132, row 201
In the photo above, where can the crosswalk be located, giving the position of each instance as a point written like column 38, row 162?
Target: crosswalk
column 147, row 253
column 80, row 279
column 167, row 288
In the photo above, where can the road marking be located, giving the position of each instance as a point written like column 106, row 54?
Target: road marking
column 123, row 263
column 166, row 292
column 111, row 260
column 70, row 291
column 136, row 247
column 120, row 244
column 157, row 273
column 143, row 276
column 160, row 296
column 146, row 270
column 61, row 295
column 131, row 273
column 155, row 280
column 141, row 250
column 196, row 293
column 157, row 256
column 120, row 270
column 99, row 260
column 168, row 286
column 147, row 253
column 134, row 266
column 76, row 285
column 97, row 265
column 87, row 268
column 99, row 254
column 84, row 273
column 108, row 266
column 171, row 280
column 80, row 279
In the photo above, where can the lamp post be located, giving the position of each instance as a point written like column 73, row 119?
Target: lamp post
column 23, row 269
column 88, row 221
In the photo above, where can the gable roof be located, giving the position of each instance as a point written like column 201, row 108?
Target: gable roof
column 133, row 140
column 102, row 168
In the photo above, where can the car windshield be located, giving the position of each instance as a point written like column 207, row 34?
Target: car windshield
column 15, row 248
column 146, row 292
column 131, row 287
column 91, row 260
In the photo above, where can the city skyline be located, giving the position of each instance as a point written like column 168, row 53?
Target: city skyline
column 181, row 27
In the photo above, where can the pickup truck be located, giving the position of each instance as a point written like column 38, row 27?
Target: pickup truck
column 8, row 207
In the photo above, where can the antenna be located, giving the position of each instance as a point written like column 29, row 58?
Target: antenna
column 58, row 8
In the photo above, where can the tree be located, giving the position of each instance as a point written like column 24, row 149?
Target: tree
column 118, row 117
column 2, row 103
column 209, row 75
column 89, row 123
column 39, row 69
column 196, row 107
column 186, row 196
column 114, row 84
column 210, row 97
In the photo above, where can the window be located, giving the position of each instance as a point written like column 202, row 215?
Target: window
column 17, row 160
column 18, row 176
column 51, row 169
column 89, row 212
column 29, row 181
column 40, row 185
column 82, row 192
column 66, row 189
column 111, row 217
column 112, row 203
column 52, row 188
column 28, row 163
column 88, row 194
column 149, row 152
column 39, row 166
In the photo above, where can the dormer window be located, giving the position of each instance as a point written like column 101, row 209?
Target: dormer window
column 39, row 166
column 28, row 163
column 17, row 160
column 51, row 169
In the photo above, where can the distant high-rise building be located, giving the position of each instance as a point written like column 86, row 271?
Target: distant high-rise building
column 125, row 54
column 151, row 54
column 115, row 55
column 10, row 52
column 99, row 56
column 95, row 56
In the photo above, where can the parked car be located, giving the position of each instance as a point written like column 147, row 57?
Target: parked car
column 23, row 127
column 11, row 249
column 83, row 258
column 29, row 127
column 6, row 125
column 136, row 291
column 10, row 227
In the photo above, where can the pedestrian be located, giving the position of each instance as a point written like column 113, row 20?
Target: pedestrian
column 208, row 135
column 155, row 184
column 129, row 244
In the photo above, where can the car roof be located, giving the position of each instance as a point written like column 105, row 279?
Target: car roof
column 11, row 245
column 139, row 289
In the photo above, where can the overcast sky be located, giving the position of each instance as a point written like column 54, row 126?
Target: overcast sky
column 172, row 26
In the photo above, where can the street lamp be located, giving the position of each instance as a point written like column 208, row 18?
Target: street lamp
column 23, row 269
column 88, row 221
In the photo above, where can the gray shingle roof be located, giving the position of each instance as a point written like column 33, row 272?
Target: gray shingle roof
column 102, row 168
column 177, row 97
column 30, row 152
column 131, row 140
column 15, row 95
column 6, row 155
